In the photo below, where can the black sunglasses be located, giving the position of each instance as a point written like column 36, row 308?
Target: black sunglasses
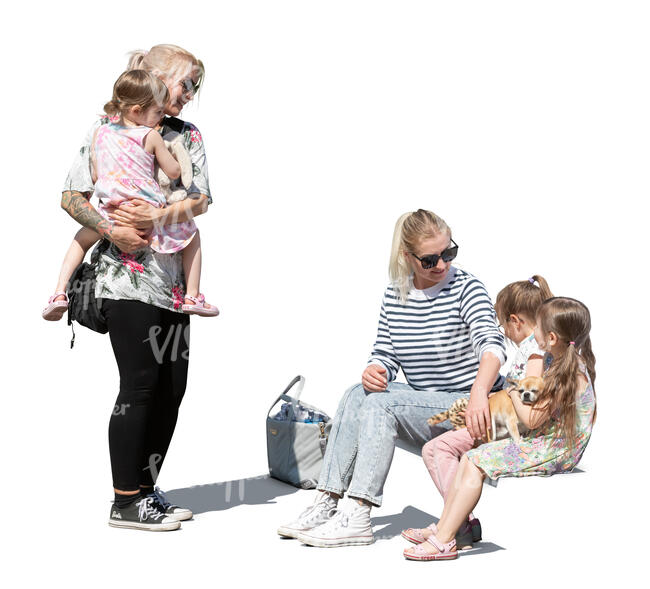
column 189, row 86
column 431, row 261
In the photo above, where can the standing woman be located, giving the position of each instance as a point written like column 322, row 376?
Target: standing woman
column 438, row 325
column 141, row 293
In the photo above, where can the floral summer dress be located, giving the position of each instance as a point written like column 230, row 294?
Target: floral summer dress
column 144, row 275
column 539, row 453
column 124, row 172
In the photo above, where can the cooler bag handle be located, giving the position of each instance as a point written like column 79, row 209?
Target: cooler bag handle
column 284, row 397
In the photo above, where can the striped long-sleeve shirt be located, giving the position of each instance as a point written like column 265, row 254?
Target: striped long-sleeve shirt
column 439, row 335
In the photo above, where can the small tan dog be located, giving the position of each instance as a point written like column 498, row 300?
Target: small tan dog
column 502, row 412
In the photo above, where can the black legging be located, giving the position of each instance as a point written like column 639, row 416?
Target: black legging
column 151, row 346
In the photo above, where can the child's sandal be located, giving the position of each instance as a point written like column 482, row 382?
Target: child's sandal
column 446, row 550
column 55, row 309
column 415, row 535
column 198, row 307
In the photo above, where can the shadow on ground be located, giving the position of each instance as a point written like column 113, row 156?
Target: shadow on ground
column 258, row 490
column 388, row 526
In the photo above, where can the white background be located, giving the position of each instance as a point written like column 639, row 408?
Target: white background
column 523, row 124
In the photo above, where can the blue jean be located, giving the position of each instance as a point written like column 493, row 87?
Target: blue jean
column 364, row 430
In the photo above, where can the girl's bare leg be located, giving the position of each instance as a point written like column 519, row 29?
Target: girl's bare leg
column 467, row 492
column 82, row 242
column 192, row 268
column 461, row 500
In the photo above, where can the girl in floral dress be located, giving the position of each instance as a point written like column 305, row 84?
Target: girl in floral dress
column 560, row 421
column 123, row 154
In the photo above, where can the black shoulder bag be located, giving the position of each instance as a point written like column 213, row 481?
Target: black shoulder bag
column 82, row 304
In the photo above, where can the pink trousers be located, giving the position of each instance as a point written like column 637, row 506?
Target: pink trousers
column 442, row 456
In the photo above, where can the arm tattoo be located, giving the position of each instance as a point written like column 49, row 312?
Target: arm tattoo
column 78, row 207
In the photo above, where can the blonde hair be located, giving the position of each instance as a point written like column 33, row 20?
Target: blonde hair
column 410, row 229
column 169, row 62
column 136, row 88
column 570, row 320
column 523, row 297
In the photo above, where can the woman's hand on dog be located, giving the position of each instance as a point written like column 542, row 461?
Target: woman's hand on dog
column 374, row 379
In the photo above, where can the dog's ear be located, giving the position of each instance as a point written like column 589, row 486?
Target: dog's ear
column 512, row 382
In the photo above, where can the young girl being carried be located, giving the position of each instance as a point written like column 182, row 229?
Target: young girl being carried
column 516, row 307
column 560, row 420
column 123, row 156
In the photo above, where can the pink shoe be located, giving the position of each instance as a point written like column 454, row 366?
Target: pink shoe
column 55, row 309
column 446, row 551
column 198, row 307
column 414, row 535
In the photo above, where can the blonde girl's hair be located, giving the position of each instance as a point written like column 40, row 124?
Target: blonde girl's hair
column 136, row 88
column 570, row 320
column 169, row 62
column 410, row 229
column 523, row 298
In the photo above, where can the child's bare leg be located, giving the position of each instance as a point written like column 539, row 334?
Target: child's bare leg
column 461, row 499
column 192, row 268
column 192, row 265
column 82, row 242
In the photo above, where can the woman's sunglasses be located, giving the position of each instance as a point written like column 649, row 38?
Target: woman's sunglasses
column 189, row 86
column 431, row 261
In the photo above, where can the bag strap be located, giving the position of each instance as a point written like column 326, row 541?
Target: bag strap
column 300, row 380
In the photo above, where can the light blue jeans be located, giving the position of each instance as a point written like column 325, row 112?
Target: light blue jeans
column 361, row 443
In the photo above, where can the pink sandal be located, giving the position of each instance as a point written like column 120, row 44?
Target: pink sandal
column 55, row 309
column 414, row 535
column 198, row 307
column 445, row 550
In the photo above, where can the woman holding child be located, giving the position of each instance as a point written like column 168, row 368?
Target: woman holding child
column 142, row 294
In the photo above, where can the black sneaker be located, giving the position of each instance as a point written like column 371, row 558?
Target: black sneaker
column 169, row 509
column 142, row 515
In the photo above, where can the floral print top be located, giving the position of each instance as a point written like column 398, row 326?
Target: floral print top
column 144, row 275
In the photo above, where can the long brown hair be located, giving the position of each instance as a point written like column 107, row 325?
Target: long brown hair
column 570, row 320
column 136, row 88
column 523, row 297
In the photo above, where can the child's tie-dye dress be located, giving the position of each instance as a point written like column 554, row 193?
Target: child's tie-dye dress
column 124, row 172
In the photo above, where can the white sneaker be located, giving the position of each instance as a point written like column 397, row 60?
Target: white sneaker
column 344, row 528
column 317, row 513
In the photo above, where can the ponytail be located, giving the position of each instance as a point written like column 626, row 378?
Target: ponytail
column 590, row 363
column 112, row 107
column 135, row 59
column 544, row 289
column 398, row 268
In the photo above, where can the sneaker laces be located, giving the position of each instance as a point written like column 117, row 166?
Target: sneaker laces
column 337, row 519
column 159, row 497
column 312, row 512
column 147, row 509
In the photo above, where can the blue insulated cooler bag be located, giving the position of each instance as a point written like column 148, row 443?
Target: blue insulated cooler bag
column 295, row 439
